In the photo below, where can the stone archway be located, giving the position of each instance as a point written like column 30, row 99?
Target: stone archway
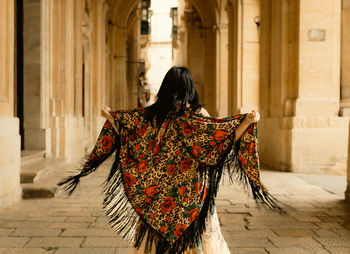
column 199, row 51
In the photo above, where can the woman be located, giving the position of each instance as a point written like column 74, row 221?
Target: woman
column 170, row 157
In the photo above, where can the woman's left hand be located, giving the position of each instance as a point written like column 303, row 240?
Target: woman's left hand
column 105, row 113
column 253, row 117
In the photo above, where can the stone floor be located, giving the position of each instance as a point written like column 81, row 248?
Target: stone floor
column 317, row 221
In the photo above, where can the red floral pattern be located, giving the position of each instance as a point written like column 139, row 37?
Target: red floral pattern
column 160, row 168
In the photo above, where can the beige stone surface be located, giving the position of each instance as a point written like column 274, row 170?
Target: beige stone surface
column 77, row 59
column 308, row 226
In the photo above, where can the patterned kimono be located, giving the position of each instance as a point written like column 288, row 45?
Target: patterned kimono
column 161, row 189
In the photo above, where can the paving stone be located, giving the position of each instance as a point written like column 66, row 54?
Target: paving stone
column 294, row 241
column 342, row 232
column 36, row 232
column 294, row 232
column 295, row 225
column 250, row 233
column 307, row 218
column 11, row 224
column 220, row 202
column 334, row 241
column 6, row 231
column 248, row 250
column 85, row 251
column 272, row 219
column 55, row 242
column 80, row 219
column 80, row 225
column 102, row 220
column 89, row 232
column 314, row 221
column 121, row 250
column 337, row 250
column 297, row 250
column 249, row 242
column 230, row 219
column 105, row 242
column 25, row 251
column 46, row 218
column 331, row 219
column 99, row 225
column 13, row 241
column 329, row 225
column 98, row 213
column 34, row 224
column 238, row 209
column 325, row 233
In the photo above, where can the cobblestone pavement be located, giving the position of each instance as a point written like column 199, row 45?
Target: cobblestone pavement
column 316, row 221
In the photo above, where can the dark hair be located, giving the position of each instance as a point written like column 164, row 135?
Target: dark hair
column 177, row 89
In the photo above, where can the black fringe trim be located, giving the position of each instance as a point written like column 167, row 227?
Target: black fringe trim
column 71, row 182
column 120, row 213
column 126, row 221
column 233, row 167
column 87, row 166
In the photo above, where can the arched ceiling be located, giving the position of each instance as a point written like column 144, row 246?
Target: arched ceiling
column 120, row 10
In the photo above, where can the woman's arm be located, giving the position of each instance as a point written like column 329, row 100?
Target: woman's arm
column 250, row 118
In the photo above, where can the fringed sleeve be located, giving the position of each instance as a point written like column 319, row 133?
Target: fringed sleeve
column 220, row 153
column 106, row 144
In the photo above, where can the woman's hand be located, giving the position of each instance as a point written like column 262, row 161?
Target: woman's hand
column 252, row 117
column 105, row 113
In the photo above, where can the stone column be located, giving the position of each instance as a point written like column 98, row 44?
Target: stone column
column 66, row 124
column 301, row 130
column 243, row 51
column 345, row 59
column 119, row 87
column 222, row 70
column 347, row 191
column 345, row 77
column 35, row 70
column 10, row 189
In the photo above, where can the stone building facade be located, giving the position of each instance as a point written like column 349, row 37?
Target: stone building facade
column 62, row 60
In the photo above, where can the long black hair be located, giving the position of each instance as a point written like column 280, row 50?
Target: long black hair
column 177, row 89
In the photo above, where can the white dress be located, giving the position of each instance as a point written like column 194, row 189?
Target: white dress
column 212, row 240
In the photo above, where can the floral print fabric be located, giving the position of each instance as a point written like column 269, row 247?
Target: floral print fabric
column 161, row 166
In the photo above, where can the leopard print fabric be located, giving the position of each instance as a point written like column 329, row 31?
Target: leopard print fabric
column 159, row 166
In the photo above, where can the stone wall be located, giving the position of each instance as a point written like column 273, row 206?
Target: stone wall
column 10, row 189
column 301, row 130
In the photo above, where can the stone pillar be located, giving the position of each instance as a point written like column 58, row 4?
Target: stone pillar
column 67, row 125
column 345, row 77
column 119, row 86
column 34, row 84
column 222, row 70
column 133, row 56
column 10, row 189
column 243, row 52
column 300, row 127
column 195, row 46
column 345, row 59
column 347, row 191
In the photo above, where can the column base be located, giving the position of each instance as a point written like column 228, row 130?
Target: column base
column 305, row 144
column 10, row 157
